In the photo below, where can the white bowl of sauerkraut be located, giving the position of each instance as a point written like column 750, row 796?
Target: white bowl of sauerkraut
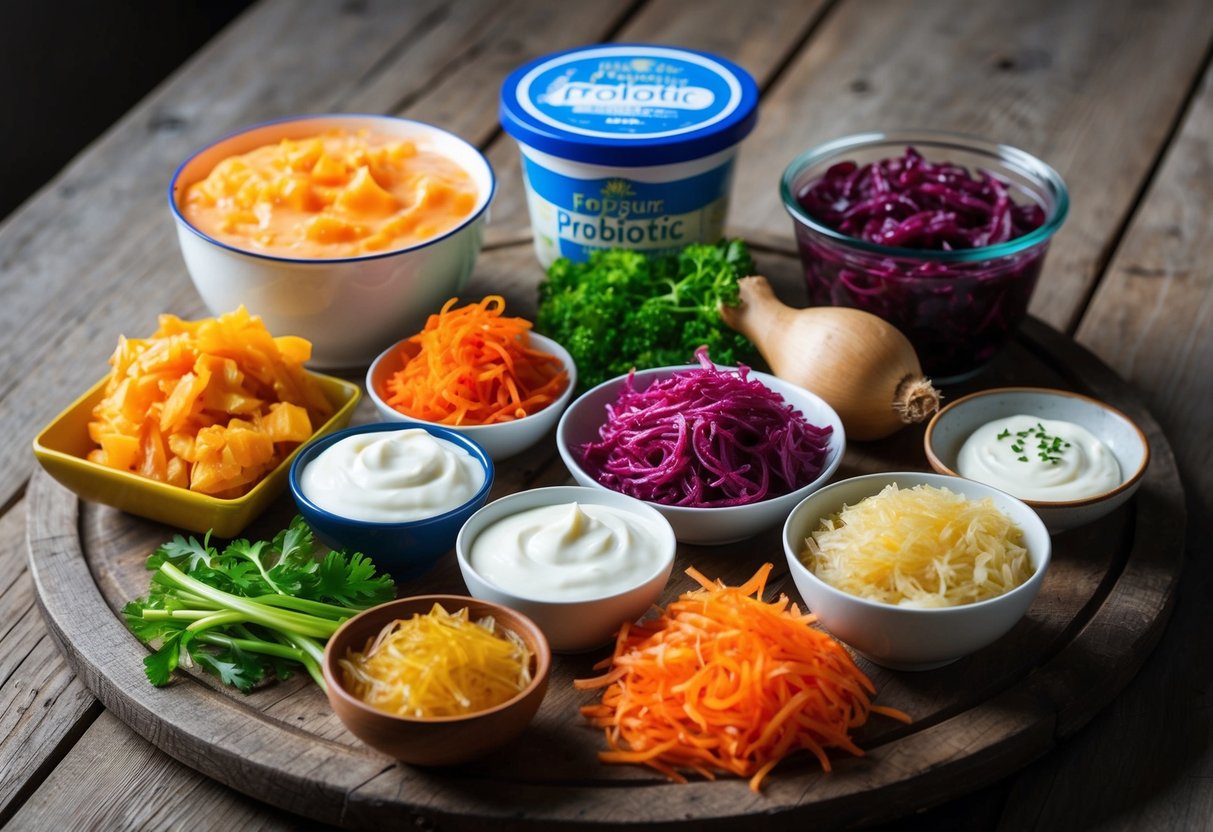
column 916, row 570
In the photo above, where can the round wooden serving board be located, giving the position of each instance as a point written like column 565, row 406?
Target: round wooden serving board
column 1102, row 608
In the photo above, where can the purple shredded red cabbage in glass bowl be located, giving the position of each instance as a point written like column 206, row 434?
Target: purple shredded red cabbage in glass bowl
column 942, row 235
column 722, row 453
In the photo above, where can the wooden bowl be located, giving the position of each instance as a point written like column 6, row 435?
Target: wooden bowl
column 441, row 741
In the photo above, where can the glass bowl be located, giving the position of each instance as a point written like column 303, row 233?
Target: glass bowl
column 958, row 307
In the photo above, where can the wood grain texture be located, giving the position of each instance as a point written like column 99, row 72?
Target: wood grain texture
column 760, row 37
column 1152, row 320
column 1063, row 81
column 113, row 779
column 43, row 707
column 1097, row 615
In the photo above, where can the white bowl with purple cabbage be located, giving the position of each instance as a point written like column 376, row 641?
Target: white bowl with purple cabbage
column 942, row 235
column 723, row 453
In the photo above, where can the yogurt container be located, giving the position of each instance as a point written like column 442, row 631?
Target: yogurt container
column 627, row 146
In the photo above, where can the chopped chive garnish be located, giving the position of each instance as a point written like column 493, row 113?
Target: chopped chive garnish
column 1049, row 448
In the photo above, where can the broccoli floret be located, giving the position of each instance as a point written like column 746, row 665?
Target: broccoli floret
column 623, row 309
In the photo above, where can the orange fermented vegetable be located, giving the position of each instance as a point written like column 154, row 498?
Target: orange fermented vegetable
column 338, row 194
column 722, row 681
column 474, row 366
column 211, row 405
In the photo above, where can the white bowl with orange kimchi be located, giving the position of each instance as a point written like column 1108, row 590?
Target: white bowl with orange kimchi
column 344, row 229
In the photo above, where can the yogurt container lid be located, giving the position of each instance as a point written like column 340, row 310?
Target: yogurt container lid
column 629, row 105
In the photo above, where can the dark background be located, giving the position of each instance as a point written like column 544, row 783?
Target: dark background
column 70, row 69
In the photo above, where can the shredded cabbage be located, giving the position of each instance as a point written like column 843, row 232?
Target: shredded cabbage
column 705, row 438
column 957, row 313
column 919, row 547
column 909, row 202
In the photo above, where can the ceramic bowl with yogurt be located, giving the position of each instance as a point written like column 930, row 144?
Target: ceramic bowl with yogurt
column 583, row 419
column 627, row 146
column 501, row 440
column 577, row 561
column 349, row 307
column 904, row 637
column 396, row 492
column 1118, row 441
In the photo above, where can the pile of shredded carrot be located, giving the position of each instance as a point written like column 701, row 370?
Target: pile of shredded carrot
column 211, row 405
column 722, row 681
column 473, row 366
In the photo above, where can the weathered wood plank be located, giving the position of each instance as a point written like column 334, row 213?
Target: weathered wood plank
column 1147, row 762
column 464, row 99
column 1064, row 81
column 757, row 36
column 43, row 707
column 114, row 779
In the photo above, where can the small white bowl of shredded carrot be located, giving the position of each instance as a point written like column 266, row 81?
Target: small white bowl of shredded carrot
column 721, row 681
column 478, row 371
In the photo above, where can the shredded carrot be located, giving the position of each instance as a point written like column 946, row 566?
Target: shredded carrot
column 473, row 366
column 722, row 681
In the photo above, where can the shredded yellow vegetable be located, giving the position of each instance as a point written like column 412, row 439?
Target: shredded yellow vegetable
column 919, row 547
column 438, row 664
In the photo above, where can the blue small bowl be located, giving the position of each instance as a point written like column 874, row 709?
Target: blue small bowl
column 405, row 549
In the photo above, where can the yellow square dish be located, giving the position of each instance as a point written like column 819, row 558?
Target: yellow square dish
column 63, row 445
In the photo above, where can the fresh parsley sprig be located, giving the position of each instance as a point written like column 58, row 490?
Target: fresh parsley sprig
column 253, row 610
column 623, row 309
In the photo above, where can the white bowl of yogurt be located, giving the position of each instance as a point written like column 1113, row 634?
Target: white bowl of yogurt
column 627, row 146
column 1072, row 458
column 579, row 562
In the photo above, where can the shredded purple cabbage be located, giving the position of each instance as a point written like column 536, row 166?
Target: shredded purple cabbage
column 909, row 202
column 957, row 313
column 705, row 438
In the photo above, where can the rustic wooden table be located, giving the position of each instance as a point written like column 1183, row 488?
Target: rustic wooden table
column 1115, row 94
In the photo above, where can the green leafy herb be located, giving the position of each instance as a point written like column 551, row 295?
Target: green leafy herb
column 623, row 309
column 255, row 610
column 1048, row 448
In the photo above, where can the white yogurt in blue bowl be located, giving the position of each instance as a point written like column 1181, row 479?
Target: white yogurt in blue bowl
column 627, row 146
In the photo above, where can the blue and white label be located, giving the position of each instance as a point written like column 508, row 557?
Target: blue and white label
column 629, row 92
column 571, row 216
